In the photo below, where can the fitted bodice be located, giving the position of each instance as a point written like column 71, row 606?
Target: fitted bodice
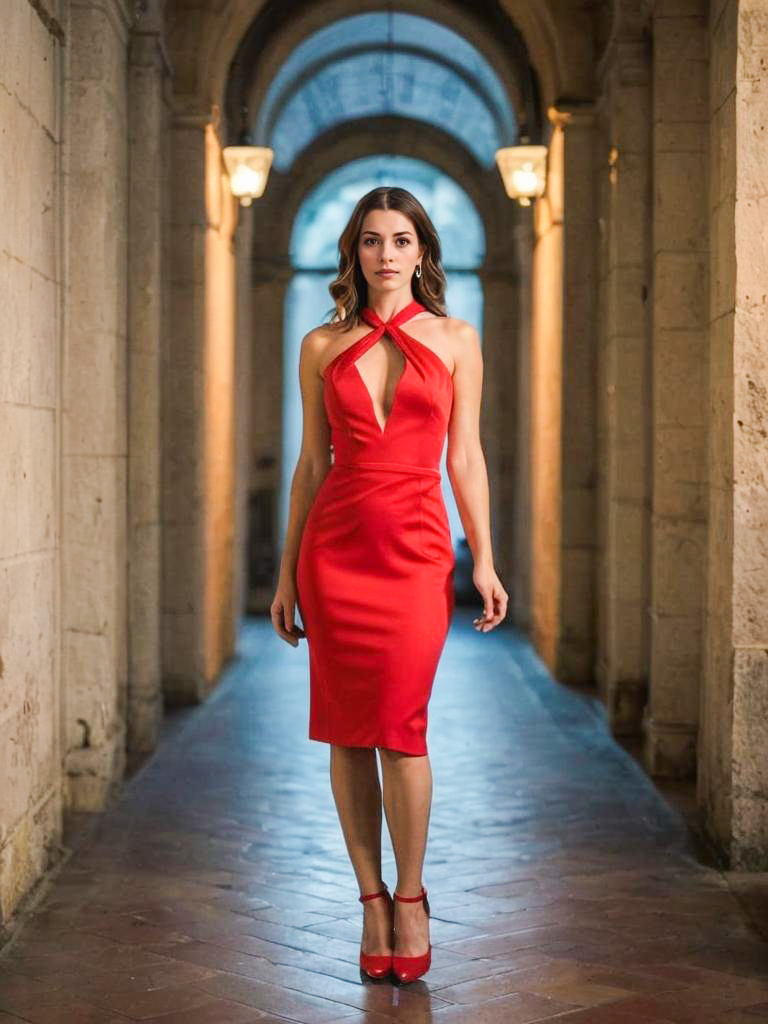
column 414, row 432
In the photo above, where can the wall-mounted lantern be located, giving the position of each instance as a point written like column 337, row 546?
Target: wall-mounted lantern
column 247, row 165
column 523, row 170
column 248, row 169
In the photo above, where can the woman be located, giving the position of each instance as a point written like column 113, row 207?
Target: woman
column 367, row 554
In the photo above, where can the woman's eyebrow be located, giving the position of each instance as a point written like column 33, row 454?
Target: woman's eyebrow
column 368, row 232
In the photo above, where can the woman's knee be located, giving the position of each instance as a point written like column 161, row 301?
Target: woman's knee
column 394, row 756
column 361, row 753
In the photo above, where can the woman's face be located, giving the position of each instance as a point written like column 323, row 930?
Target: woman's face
column 388, row 241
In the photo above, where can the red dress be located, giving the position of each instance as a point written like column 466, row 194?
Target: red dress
column 374, row 575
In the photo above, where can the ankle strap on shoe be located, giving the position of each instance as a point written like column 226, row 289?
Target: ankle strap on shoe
column 410, row 899
column 373, row 895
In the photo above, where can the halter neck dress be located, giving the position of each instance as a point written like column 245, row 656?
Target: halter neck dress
column 374, row 574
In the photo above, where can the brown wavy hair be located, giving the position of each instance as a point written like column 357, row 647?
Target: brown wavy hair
column 349, row 290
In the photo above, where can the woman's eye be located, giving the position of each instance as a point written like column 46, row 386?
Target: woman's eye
column 407, row 241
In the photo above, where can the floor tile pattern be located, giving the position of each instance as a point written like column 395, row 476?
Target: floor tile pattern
column 563, row 885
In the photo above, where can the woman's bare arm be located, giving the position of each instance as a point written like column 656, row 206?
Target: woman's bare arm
column 468, row 473
column 311, row 468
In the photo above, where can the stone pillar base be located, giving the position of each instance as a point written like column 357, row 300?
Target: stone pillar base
column 669, row 748
column 180, row 691
column 575, row 660
column 626, row 700
column 93, row 776
column 145, row 716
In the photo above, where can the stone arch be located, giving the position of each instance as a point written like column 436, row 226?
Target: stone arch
column 255, row 64
column 204, row 44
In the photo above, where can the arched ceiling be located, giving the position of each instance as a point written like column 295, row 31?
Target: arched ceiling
column 462, row 67
column 384, row 63
column 206, row 42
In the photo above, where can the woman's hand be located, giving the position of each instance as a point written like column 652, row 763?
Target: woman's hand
column 494, row 598
column 282, row 611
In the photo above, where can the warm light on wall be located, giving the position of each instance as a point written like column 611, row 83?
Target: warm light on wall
column 217, row 411
column 523, row 170
column 613, row 165
column 248, row 170
column 546, row 387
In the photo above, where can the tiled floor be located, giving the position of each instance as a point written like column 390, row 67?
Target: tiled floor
column 218, row 890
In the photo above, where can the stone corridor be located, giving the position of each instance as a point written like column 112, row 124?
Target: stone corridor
column 218, row 891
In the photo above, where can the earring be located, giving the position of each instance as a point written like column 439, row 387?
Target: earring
column 418, row 270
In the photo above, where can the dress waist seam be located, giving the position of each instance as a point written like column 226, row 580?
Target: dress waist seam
column 388, row 467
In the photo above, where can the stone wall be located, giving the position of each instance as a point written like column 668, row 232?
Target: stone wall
column 148, row 115
column 733, row 749
column 30, row 421
column 623, row 179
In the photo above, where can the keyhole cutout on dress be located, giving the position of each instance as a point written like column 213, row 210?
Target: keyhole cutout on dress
column 381, row 369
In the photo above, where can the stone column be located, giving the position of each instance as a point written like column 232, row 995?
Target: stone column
column 499, row 412
column 546, row 406
column 624, row 382
column 219, row 390
column 198, row 407
column 518, row 584
column 562, row 400
column 183, row 581
column 733, row 775
column 94, row 375
column 270, row 279
column 680, row 363
column 243, row 403
column 147, row 114
column 575, row 649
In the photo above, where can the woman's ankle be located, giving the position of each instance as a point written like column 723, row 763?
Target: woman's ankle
column 409, row 892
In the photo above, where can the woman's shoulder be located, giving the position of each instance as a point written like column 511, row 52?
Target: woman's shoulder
column 322, row 331
column 321, row 343
column 456, row 333
column 464, row 343
column 445, row 323
column 318, row 338
column 459, row 327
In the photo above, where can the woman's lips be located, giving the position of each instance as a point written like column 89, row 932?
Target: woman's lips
column 386, row 273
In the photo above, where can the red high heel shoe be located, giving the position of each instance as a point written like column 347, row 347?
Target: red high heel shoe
column 375, row 965
column 409, row 968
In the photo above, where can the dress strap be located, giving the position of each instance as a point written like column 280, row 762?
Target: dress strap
column 372, row 317
column 380, row 327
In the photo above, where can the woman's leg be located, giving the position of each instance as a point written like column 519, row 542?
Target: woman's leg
column 407, row 803
column 357, row 793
